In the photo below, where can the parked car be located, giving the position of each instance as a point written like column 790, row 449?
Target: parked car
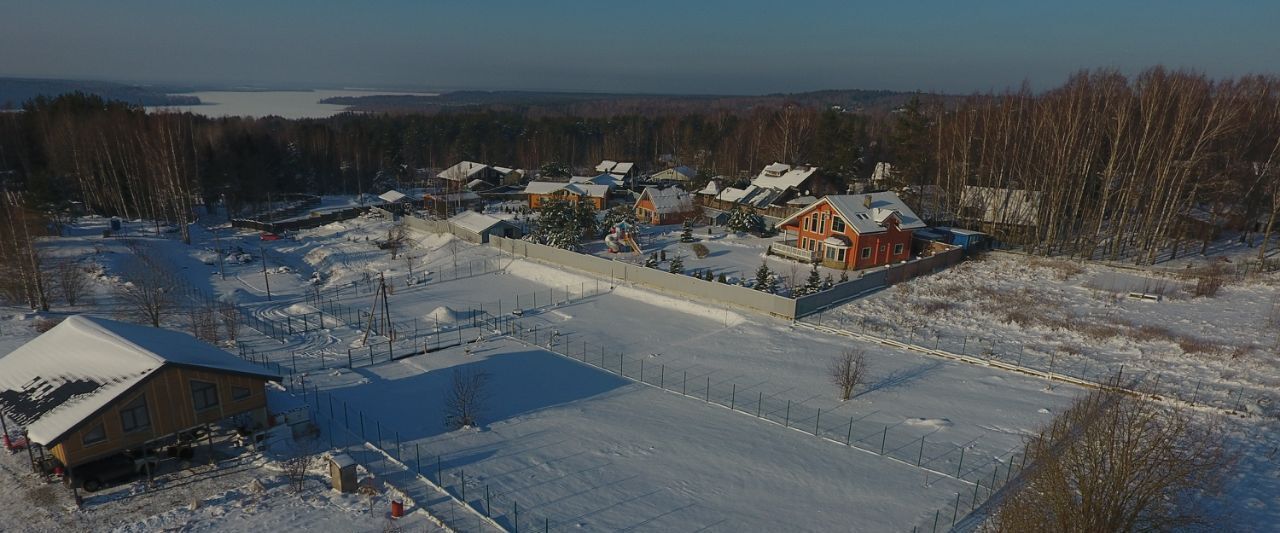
column 98, row 474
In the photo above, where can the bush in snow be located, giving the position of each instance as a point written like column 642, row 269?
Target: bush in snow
column 1117, row 462
column 700, row 250
column 677, row 266
column 652, row 261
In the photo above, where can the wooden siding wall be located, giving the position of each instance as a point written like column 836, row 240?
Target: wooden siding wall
column 170, row 408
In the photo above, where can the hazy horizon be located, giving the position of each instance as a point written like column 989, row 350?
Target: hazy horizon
column 660, row 47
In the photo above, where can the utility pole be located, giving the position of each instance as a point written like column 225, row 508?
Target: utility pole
column 263, row 252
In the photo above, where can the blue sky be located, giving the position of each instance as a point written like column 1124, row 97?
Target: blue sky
column 741, row 47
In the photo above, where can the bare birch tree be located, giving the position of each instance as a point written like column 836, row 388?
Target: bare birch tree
column 848, row 371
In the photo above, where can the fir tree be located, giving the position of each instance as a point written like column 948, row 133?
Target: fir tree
column 741, row 220
column 663, row 255
column 723, row 279
column 811, row 285
column 677, row 266
column 764, row 279
column 652, row 261
column 686, row 234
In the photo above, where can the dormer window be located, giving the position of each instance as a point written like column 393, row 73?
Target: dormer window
column 837, row 225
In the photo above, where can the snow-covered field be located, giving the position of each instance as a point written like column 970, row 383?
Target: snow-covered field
column 1080, row 319
column 583, row 448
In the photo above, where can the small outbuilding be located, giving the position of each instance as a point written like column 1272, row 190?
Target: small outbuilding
column 477, row 227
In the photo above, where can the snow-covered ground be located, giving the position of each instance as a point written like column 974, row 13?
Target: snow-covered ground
column 736, row 255
column 1080, row 319
column 583, row 448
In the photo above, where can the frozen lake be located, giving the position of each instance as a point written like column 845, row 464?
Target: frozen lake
column 287, row 104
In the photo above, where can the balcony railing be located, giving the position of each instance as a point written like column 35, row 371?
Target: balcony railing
column 793, row 252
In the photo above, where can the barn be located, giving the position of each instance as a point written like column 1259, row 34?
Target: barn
column 91, row 388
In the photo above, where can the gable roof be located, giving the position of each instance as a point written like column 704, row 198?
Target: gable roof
column 1000, row 205
column 582, row 189
column 70, row 373
column 392, row 196
column 475, row 222
column 862, row 218
column 680, row 173
column 783, row 176
column 601, row 179
column 668, row 200
column 463, row 171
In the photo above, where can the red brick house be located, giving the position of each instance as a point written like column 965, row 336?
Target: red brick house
column 850, row 231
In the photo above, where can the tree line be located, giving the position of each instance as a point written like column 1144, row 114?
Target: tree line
column 1119, row 163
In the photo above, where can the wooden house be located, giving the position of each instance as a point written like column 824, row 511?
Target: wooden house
column 91, row 388
column 539, row 191
column 671, row 205
column 850, row 231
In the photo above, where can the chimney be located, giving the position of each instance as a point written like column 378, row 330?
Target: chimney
column 866, row 201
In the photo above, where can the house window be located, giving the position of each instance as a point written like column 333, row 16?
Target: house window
column 840, row 256
column 134, row 415
column 822, row 224
column 866, row 252
column 807, row 224
column 812, row 244
column 837, row 225
column 897, row 249
column 95, row 435
column 831, row 253
column 204, row 395
column 240, row 393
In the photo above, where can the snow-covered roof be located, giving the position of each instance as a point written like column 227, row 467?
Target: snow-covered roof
column 464, row 171
column 866, row 213
column 999, row 205
column 606, row 165
column 552, row 187
column 622, row 168
column 783, row 176
column 712, row 188
column 668, row 200
column 474, row 222
column 802, row 200
column 602, row 179
column 70, row 373
column 392, row 196
column 680, row 173
column 504, row 170
column 477, row 184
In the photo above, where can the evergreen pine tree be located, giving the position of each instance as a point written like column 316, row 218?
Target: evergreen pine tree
column 677, row 266
column 764, row 278
column 663, row 255
column 652, row 261
column 686, row 234
column 811, row 285
column 723, row 279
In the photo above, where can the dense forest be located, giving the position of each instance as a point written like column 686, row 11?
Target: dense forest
column 1117, row 163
